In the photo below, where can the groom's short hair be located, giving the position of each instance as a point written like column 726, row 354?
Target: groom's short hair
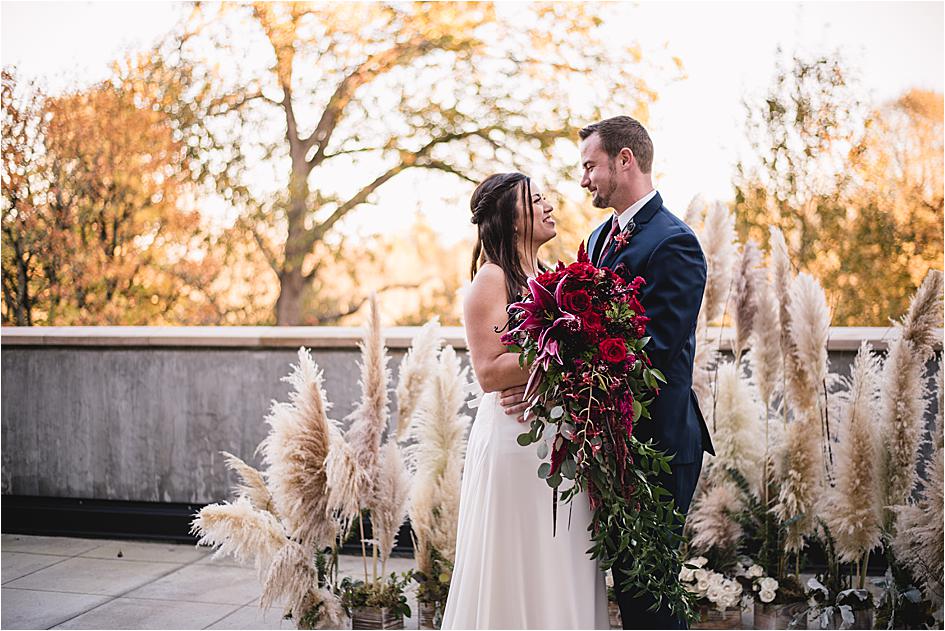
column 623, row 131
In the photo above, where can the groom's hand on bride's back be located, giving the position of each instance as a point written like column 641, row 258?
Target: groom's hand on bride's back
column 513, row 403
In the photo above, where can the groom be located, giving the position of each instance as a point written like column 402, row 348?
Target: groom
column 649, row 241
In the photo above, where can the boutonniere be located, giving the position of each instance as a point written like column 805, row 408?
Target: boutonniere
column 622, row 239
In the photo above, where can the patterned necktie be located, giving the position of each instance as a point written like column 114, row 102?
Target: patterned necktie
column 614, row 229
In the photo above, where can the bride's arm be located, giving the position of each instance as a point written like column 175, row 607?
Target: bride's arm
column 484, row 311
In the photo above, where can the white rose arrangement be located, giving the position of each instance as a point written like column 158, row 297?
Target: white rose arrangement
column 708, row 585
column 752, row 574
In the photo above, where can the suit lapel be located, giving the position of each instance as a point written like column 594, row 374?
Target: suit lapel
column 643, row 217
column 595, row 242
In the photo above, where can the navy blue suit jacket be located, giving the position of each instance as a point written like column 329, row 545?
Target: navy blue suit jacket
column 666, row 253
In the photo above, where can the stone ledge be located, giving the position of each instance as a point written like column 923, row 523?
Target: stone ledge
column 841, row 338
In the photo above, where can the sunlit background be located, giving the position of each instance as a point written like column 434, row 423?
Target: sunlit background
column 697, row 74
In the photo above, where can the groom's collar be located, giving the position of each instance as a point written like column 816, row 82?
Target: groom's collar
column 628, row 214
column 649, row 209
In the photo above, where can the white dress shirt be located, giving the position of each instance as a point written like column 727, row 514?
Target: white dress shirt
column 624, row 218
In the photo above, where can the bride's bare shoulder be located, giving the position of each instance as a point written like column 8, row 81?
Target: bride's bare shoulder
column 488, row 283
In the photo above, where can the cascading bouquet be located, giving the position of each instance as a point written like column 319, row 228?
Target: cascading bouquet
column 582, row 333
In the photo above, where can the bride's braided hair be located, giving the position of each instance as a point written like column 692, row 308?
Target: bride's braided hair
column 494, row 212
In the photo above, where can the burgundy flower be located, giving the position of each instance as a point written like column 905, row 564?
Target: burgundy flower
column 621, row 240
column 576, row 301
column 613, row 350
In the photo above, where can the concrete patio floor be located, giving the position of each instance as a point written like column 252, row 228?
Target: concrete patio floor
column 68, row 583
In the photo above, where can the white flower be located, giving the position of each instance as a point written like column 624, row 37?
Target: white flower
column 714, row 593
column 769, row 584
column 756, row 571
column 766, row 596
column 700, row 575
column 716, row 579
column 698, row 561
column 686, row 574
column 610, row 579
column 702, row 587
column 734, row 588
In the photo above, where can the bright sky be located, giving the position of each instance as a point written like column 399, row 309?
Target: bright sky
column 727, row 48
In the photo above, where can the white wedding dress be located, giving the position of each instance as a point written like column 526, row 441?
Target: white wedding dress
column 509, row 572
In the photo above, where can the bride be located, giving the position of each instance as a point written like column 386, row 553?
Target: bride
column 509, row 571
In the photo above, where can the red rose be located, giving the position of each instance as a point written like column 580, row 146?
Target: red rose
column 581, row 270
column 613, row 350
column 593, row 323
column 576, row 301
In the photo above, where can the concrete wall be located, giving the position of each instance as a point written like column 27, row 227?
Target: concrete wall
column 141, row 413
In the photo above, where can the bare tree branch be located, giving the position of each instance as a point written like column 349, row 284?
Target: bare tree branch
column 331, row 317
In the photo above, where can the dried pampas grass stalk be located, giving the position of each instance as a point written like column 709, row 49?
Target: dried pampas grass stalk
column 251, row 484
column 436, row 457
column 696, row 210
column 747, row 279
column 295, row 451
column 801, row 477
column 415, row 370
column 389, row 506
column 851, row 507
column 809, row 328
column 738, row 423
column 705, row 359
column 291, row 576
column 782, row 279
column 718, row 245
column 920, row 530
column 765, row 356
column 925, row 313
column 903, row 403
column 712, row 522
column 346, row 481
column 239, row 530
column 370, row 418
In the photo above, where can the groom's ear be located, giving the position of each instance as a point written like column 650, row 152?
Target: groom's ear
column 625, row 157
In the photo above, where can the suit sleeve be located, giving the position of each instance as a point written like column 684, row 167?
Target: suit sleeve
column 672, row 296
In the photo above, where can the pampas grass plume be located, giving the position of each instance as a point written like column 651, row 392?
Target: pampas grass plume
column 711, row 521
column 696, row 210
column 370, row 418
column 903, row 403
column 389, row 505
column 800, row 475
column 414, row 373
column 747, row 280
column 809, row 327
column 295, row 451
column 851, row 508
column 237, row 529
column 765, row 356
column 251, row 484
column 290, row 577
column 921, row 527
column 739, row 426
column 718, row 245
column 436, row 457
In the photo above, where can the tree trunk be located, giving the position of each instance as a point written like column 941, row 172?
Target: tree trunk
column 297, row 245
column 289, row 303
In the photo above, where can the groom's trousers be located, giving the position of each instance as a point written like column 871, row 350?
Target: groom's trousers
column 634, row 610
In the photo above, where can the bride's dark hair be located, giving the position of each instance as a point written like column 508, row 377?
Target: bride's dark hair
column 494, row 212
